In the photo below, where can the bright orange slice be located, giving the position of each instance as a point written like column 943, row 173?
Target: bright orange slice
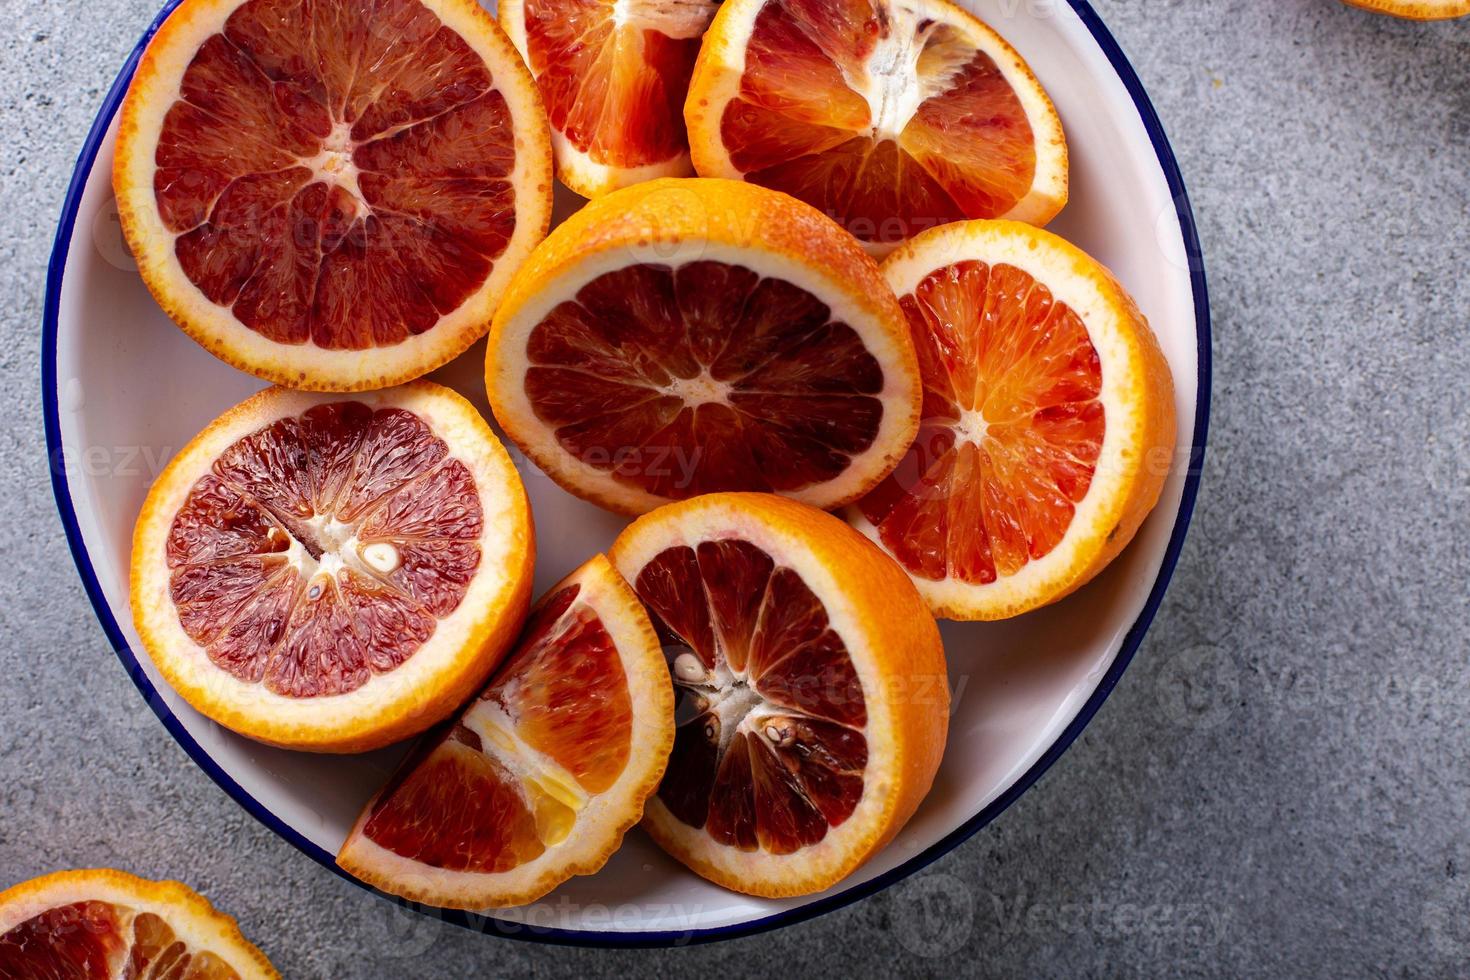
column 334, row 573
column 891, row 116
column 688, row 336
column 543, row 773
column 332, row 194
column 99, row 924
column 1048, row 422
column 812, row 695
column 613, row 74
column 1416, row 9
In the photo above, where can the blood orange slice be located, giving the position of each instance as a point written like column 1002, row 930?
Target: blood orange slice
column 543, row 773
column 812, row 695
column 1048, row 422
column 687, row 336
column 332, row 194
column 99, row 924
column 1416, row 9
column 613, row 74
column 891, row 116
column 331, row 573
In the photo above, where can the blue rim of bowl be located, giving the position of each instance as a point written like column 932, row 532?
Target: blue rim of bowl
column 576, row 937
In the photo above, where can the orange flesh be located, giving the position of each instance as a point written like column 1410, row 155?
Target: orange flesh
column 770, row 750
column 616, row 90
column 305, row 633
column 797, row 125
column 337, row 172
column 704, row 378
column 99, row 939
column 1011, row 430
column 459, row 806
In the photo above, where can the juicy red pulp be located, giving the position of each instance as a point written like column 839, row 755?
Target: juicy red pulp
column 706, row 377
column 98, row 939
column 769, row 750
column 383, row 474
column 337, row 170
column 1011, row 428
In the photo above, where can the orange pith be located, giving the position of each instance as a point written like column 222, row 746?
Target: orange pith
column 541, row 774
column 613, row 74
column 1011, row 426
column 891, row 116
column 333, row 178
column 103, row 923
column 301, row 632
column 1416, row 9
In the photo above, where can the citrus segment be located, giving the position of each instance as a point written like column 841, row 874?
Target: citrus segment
column 812, row 703
column 541, row 775
column 765, row 360
column 309, row 550
column 613, row 75
column 331, row 195
column 891, row 116
column 1047, row 421
column 101, row 924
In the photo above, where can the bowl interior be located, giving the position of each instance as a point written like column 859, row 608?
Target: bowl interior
column 131, row 389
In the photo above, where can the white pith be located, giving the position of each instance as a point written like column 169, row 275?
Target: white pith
column 889, row 80
column 333, row 165
column 677, row 19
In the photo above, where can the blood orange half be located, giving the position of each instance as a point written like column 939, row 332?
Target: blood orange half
column 332, row 194
column 613, row 74
column 334, row 573
column 688, row 336
column 1048, row 422
column 98, row 924
column 540, row 777
column 812, row 695
column 891, row 116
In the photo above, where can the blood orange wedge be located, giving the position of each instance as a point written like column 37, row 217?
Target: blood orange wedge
column 334, row 573
column 1048, row 421
column 613, row 74
column 890, row 116
column 540, row 777
column 687, row 336
column 1416, row 9
column 812, row 695
column 100, row 924
column 332, row 194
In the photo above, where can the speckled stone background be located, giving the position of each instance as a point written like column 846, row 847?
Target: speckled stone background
column 1278, row 787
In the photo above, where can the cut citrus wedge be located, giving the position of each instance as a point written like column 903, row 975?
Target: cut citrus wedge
column 688, row 336
column 1048, row 422
column 891, row 116
column 1416, row 9
column 543, row 773
column 334, row 573
column 331, row 194
column 98, row 924
column 812, row 696
column 613, row 75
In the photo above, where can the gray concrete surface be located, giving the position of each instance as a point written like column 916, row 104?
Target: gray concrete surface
column 1279, row 785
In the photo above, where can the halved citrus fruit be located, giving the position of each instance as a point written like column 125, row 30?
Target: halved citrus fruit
column 540, row 777
column 613, row 75
column 1416, row 9
column 812, row 695
column 687, row 336
column 98, row 924
column 334, row 573
column 332, row 194
column 891, row 116
column 1048, row 422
